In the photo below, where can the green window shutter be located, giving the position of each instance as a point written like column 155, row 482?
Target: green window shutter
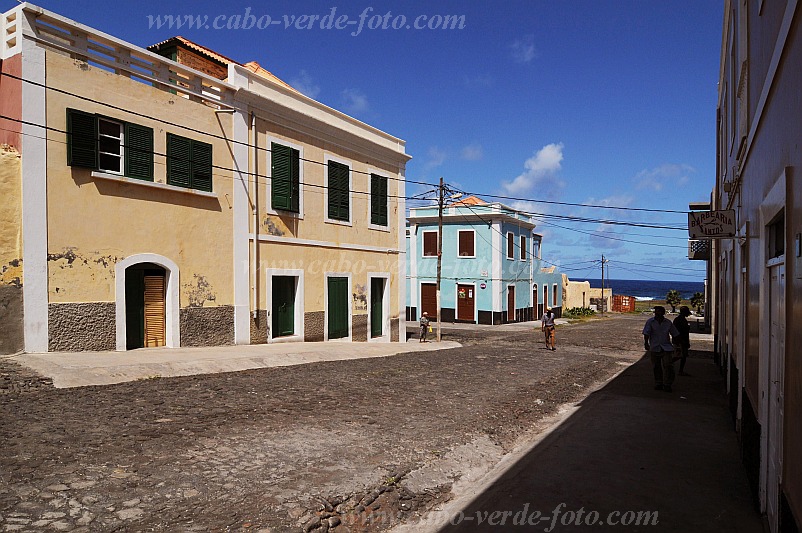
column 179, row 161
column 201, row 155
column 138, row 152
column 378, row 200
column 295, row 160
column 338, row 191
column 285, row 175
column 81, row 139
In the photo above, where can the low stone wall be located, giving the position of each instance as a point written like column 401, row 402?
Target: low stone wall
column 12, row 333
column 259, row 327
column 314, row 326
column 77, row 327
column 359, row 328
column 207, row 326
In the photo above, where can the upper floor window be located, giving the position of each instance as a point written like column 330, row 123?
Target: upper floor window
column 430, row 243
column 523, row 248
column 189, row 163
column 339, row 193
column 510, row 246
column 285, row 183
column 108, row 145
column 378, row 200
column 466, row 243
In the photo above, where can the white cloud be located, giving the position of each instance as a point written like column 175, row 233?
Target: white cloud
column 436, row 157
column 354, row 101
column 665, row 176
column 472, row 152
column 304, row 83
column 523, row 49
column 538, row 169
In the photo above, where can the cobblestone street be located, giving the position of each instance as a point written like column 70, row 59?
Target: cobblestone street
column 356, row 445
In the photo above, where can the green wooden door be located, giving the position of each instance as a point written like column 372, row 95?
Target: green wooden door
column 376, row 306
column 338, row 307
column 134, row 308
column 283, row 306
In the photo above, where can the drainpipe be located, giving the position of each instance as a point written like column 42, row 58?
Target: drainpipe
column 254, row 158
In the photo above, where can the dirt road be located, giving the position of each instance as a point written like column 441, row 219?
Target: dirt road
column 355, row 445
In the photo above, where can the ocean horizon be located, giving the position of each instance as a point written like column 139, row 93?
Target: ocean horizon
column 644, row 289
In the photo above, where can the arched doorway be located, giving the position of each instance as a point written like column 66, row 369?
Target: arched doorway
column 158, row 269
column 145, row 311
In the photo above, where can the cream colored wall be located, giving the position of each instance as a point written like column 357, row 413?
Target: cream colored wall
column 317, row 261
column 10, row 216
column 574, row 293
column 312, row 226
column 93, row 223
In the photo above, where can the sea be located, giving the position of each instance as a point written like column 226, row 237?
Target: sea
column 643, row 289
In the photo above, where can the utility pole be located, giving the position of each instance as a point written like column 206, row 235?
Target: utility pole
column 440, row 194
column 602, row 279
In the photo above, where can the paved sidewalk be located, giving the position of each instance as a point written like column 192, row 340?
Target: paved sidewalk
column 79, row 369
column 626, row 448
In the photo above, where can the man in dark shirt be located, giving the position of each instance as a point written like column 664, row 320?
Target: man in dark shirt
column 683, row 340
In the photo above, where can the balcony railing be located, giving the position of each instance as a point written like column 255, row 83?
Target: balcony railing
column 698, row 250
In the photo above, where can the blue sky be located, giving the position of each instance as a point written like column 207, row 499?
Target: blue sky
column 604, row 102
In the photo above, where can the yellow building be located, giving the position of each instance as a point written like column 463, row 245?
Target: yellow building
column 175, row 197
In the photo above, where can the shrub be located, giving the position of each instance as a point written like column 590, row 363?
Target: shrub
column 579, row 312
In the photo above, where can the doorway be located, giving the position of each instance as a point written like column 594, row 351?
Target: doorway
column 283, row 320
column 466, row 305
column 337, row 309
column 377, row 307
column 144, row 306
column 511, row 303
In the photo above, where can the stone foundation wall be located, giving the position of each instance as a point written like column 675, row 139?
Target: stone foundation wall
column 394, row 333
column 207, row 326
column 359, row 328
column 314, row 326
column 12, row 333
column 77, row 327
column 259, row 327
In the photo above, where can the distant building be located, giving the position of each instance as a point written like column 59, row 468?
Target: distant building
column 492, row 271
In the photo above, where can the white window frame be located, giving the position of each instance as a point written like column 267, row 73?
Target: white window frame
column 120, row 139
column 350, row 165
column 423, row 245
column 385, row 336
column 298, row 305
column 384, row 175
column 459, row 255
column 269, row 183
column 554, row 295
column 507, row 244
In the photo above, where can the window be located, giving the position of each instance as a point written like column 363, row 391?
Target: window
column 339, row 193
column 776, row 237
column 430, row 244
column 554, row 295
column 108, row 145
column 523, row 248
column 510, row 246
column 189, row 163
column 378, row 200
column 466, row 242
column 285, row 172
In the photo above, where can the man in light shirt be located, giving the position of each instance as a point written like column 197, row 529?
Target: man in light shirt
column 657, row 342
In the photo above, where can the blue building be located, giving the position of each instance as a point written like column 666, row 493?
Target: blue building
column 492, row 271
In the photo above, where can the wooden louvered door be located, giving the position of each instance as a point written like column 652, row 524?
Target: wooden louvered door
column 154, row 308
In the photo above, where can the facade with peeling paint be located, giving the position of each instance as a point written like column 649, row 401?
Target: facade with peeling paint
column 173, row 197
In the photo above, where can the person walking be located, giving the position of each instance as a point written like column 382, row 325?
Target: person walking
column 657, row 343
column 683, row 340
column 424, row 326
column 547, row 327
